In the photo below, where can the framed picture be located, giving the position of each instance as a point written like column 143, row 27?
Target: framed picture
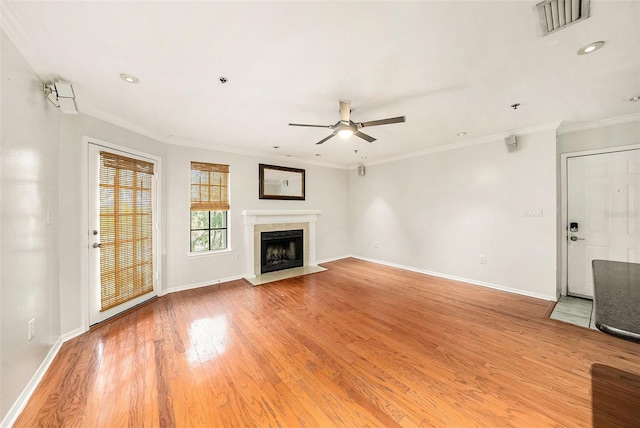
column 279, row 182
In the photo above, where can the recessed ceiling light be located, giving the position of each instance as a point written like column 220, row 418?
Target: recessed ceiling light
column 591, row 47
column 276, row 147
column 129, row 78
column 318, row 154
column 632, row 98
column 460, row 134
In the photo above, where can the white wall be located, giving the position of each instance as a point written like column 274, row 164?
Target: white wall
column 440, row 212
column 29, row 247
column 327, row 189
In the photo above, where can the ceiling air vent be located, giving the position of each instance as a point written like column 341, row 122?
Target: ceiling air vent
column 554, row 15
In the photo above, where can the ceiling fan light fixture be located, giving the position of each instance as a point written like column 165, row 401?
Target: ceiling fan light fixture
column 345, row 133
column 345, row 127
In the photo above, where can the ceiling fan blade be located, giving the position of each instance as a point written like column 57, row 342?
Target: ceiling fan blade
column 311, row 126
column 364, row 136
column 383, row 121
column 345, row 110
column 325, row 139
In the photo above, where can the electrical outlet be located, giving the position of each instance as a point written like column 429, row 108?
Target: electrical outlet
column 376, row 244
column 32, row 328
column 483, row 260
column 237, row 256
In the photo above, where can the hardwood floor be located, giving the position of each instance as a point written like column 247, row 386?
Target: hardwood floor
column 357, row 345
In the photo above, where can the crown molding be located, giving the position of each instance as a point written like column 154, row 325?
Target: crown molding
column 256, row 153
column 550, row 126
column 123, row 124
column 14, row 31
column 199, row 145
column 634, row 117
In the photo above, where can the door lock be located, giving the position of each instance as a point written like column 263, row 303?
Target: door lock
column 575, row 238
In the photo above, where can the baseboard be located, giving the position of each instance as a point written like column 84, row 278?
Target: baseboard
column 333, row 259
column 227, row 279
column 200, row 284
column 27, row 392
column 457, row 278
column 73, row 333
column 23, row 398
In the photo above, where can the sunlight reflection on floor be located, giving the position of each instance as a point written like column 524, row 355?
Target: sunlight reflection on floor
column 208, row 338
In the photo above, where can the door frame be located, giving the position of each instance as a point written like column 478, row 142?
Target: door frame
column 564, row 182
column 84, row 219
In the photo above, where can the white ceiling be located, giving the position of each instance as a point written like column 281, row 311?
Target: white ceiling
column 447, row 66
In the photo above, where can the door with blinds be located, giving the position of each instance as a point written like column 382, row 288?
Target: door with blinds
column 122, row 231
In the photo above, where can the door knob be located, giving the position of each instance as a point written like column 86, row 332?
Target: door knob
column 97, row 245
column 575, row 238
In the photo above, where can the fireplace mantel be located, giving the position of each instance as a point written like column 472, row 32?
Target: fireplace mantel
column 277, row 220
column 252, row 217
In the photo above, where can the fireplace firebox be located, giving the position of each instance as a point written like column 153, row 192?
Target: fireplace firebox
column 280, row 250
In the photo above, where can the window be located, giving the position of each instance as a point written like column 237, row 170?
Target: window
column 208, row 231
column 209, row 207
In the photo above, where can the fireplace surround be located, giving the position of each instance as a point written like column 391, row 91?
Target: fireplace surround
column 258, row 221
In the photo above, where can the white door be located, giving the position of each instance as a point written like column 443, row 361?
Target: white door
column 122, row 231
column 604, row 209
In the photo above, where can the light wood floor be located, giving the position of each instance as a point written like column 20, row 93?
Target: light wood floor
column 358, row 345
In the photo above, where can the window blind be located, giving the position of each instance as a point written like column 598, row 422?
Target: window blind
column 209, row 187
column 126, row 229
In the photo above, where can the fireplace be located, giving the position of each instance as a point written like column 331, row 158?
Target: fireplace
column 258, row 221
column 281, row 249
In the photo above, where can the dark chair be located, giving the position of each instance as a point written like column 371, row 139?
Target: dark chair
column 617, row 298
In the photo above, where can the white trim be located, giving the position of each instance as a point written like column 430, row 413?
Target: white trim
column 123, row 124
column 194, row 144
column 253, row 217
column 84, row 221
column 84, row 226
column 634, row 117
column 564, row 200
column 211, row 252
column 457, row 278
column 251, row 152
column 72, row 334
column 27, row 392
column 200, row 284
column 462, row 144
column 23, row 42
column 333, row 259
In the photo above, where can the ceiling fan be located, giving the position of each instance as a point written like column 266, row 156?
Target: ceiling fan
column 345, row 127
